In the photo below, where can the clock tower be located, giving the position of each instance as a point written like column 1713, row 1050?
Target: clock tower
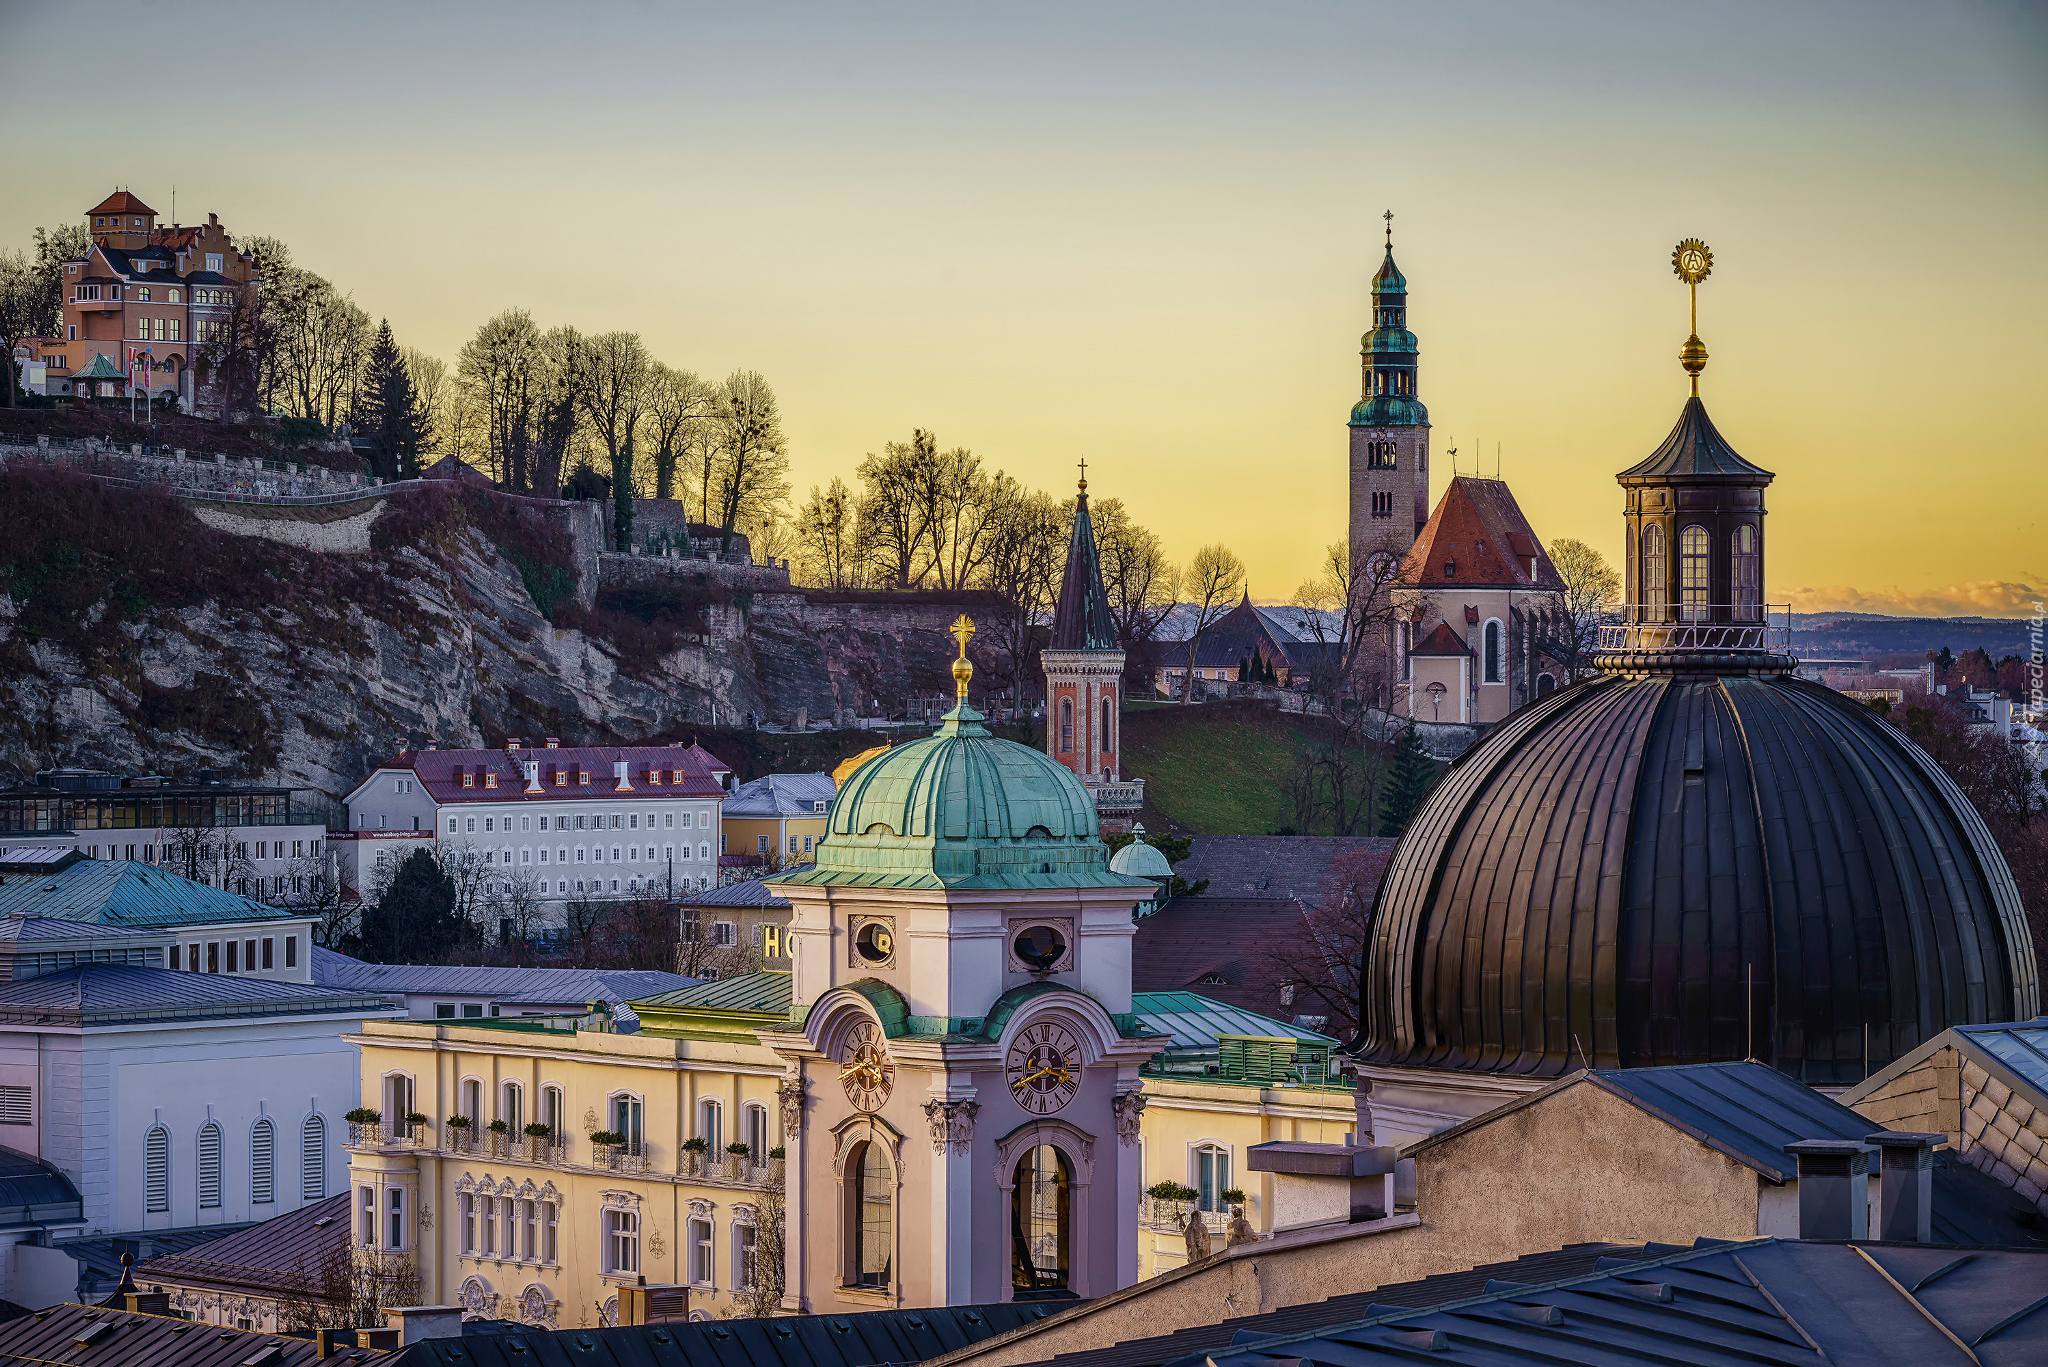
column 1389, row 426
column 961, row 1096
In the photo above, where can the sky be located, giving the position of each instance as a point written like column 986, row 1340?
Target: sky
column 1143, row 233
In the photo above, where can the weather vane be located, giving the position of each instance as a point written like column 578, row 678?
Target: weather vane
column 1389, row 216
column 1692, row 262
column 962, row 629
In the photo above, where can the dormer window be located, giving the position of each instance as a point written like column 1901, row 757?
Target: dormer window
column 490, row 780
column 468, row 779
column 583, row 778
column 820, row 805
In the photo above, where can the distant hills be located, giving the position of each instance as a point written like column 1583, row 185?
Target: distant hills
column 1869, row 635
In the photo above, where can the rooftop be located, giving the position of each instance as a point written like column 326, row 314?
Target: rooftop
column 781, row 795
column 558, row 987
column 682, row 771
column 123, row 892
column 114, row 994
column 1478, row 537
column 278, row 1255
column 131, row 1339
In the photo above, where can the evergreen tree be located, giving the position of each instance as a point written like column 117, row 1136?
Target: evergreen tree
column 1409, row 779
column 390, row 413
column 414, row 921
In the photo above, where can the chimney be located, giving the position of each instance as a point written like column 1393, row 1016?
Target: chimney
column 532, row 768
column 417, row 1322
column 553, row 743
column 619, row 779
column 1905, row 1185
column 1834, row 1188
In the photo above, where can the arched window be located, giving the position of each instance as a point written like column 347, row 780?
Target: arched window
column 473, row 1102
column 628, row 1113
column 1492, row 652
column 313, row 1158
column 551, row 1111
column 1066, row 726
column 870, row 1208
column 1656, row 593
column 755, row 1125
column 1693, row 578
column 1040, row 1221
column 711, row 1125
column 263, row 1163
column 512, row 1108
column 209, row 1166
column 1108, row 721
column 156, row 1170
column 1545, row 685
column 1749, row 595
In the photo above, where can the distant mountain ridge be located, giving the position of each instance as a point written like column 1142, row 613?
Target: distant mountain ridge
column 1866, row 635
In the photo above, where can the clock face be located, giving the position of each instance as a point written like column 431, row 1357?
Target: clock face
column 865, row 1069
column 1044, row 1068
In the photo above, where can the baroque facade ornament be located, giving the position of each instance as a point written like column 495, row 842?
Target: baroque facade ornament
column 700, row 1208
column 790, row 1092
column 1128, row 1107
column 952, row 1124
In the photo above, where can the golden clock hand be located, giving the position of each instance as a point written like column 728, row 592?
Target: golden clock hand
column 1030, row 1078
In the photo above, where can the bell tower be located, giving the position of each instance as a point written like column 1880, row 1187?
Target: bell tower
column 1084, row 680
column 1389, row 425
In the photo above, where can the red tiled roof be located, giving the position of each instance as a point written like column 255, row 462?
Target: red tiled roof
column 1478, row 538
column 177, row 239
column 1442, row 641
column 120, row 202
column 577, row 772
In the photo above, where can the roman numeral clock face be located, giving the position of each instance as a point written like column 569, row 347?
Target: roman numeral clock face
column 1044, row 1067
column 865, row 1069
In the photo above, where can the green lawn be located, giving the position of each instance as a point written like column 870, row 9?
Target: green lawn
column 1214, row 769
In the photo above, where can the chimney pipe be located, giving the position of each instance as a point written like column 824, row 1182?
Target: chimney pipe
column 1834, row 1188
column 1905, row 1185
column 619, row 779
column 417, row 1322
column 532, row 768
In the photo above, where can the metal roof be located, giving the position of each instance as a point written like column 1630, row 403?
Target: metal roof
column 865, row 1340
column 109, row 994
column 1695, row 449
column 1764, row 1301
column 780, row 795
column 1193, row 1022
column 767, row 992
column 1081, row 618
column 2022, row 1048
column 33, row 1192
column 751, row 892
column 123, row 892
column 137, row 1340
column 567, row 987
column 687, row 771
column 276, row 1255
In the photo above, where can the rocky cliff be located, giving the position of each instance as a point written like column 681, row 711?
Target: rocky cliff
column 141, row 633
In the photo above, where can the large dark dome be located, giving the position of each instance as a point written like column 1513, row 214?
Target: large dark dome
column 1595, row 881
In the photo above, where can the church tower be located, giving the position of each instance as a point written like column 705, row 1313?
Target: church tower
column 1389, row 426
column 1084, row 681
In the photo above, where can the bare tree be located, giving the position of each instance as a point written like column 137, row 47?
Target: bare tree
column 554, row 417
column 206, row 854
column 1569, row 633
column 889, row 532
column 324, row 340
column 825, row 547
column 615, row 390
column 1214, row 579
column 1027, row 541
column 761, row 1276
column 313, row 888
column 1316, row 972
column 513, row 907
column 1136, row 574
column 752, row 455
column 22, row 314
column 697, row 951
column 434, row 392
column 677, row 402
column 500, row 373
column 952, row 501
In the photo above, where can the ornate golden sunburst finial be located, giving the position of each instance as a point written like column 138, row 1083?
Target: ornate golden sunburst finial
column 1693, row 261
column 963, row 631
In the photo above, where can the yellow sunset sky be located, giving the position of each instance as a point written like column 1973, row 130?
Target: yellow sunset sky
column 1143, row 233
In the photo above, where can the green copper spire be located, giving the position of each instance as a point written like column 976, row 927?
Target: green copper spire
column 1389, row 353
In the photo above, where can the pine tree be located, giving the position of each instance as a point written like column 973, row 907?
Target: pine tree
column 1409, row 780
column 390, row 413
column 415, row 920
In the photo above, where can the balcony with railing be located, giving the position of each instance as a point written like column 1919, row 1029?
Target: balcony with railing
column 1763, row 629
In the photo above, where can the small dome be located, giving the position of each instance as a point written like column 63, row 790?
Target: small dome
column 1681, row 868
column 1140, row 860
column 962, row 808
column 1388, row 279
column 1389, row 410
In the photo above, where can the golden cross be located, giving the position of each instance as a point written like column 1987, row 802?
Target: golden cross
column 962, row 629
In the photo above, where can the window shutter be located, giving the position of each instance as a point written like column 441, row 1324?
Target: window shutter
column 156, row 1171
column 17, row 1106
column 263, row 1164
column 209, row 1167
column 313, row 1159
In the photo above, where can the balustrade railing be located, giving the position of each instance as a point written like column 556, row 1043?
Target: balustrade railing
column 1763, row 627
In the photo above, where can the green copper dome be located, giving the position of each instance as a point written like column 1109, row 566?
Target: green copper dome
column 962, row 808
column 1389, row 410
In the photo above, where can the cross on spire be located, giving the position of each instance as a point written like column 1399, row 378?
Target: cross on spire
column 1084, row 474
column 1389, row 216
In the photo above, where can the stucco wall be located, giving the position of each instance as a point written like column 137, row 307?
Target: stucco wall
column 1579, row 1166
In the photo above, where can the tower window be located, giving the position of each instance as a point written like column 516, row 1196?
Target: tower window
column 1748, row 582
column 1693, row 578
column 871, row 1195
column 1380, row 455
column 1040, row 1218
column 1492, row 652
column 1383, row 505
column 1654, row 596
column 1066, row 726
column 1108, row 717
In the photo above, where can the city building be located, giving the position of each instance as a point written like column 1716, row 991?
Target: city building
column 1478, row 601
column 1084, row 682
column 563, row 822
column 142, row 305
column 162, row 1046
column 253, row 841
column 735, row 928
column 1389, row 428
column 479, row 991
column 267, row 1277
column 1693, row 856
column 1283, row 644
column 777, row 818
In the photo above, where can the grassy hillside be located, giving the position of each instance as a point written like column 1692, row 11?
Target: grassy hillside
column 1216, row 769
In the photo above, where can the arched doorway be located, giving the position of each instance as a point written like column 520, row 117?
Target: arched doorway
column 1041, row 1223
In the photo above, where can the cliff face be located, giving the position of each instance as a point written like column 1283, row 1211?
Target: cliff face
column 141, row 634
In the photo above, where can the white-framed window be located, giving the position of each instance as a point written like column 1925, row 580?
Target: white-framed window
column 529, row 1228
column 621, row 1241
column 263, row 1163
column 209, row 1166
column 473, row 1102
column 699, row 1235
column 313, row 1158
column 628, row 1117
column 1491, row 652
column 711, row 1125
column 754, row 1130
column 548, row 1212
column 156, row 1170
column 394, row 1219
column 366, row 1216
column 465, row 1222
column 1695, row 546
column 1211, row 1175
column 487, row 1208
column 725, row 933
column 512, row 1108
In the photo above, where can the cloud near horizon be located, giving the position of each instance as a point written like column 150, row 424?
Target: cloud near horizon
column 1983, row 598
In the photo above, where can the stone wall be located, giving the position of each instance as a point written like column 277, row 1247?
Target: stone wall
column 1995, row 1126
column 616, row 571
column 1925, row 1099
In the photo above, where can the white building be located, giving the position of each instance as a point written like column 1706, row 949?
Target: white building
column 571, row 822
column 163, row 1046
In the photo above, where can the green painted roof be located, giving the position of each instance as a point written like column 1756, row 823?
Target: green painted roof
column 1388, row 279
column 1193, row 1021
column 962, row 809
column 121, row 892
column 766, row 992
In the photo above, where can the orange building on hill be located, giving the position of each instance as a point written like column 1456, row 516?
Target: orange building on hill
column 141, row 306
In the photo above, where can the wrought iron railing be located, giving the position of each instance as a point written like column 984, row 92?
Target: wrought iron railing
column 1763, row 627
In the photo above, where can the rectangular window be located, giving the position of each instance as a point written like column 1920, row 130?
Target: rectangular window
column 213, row 956
column 213, row 262
column 1212, row 1175
column 231, row 956
column 175, row 956
column 177, row 326
column 249, row 956
column 394, row 1210
column 746, row 1270
column 291, row 951
column 17, row 1106
column 490, row 1215
column 724, row 933
column 465, row 1205
column 700, row 1252
column 444, row 1011
column 268, row 945
column 626, row 1119
column 547, row 1231
column 366, row 1206
column 472, row 1010
column 529, row 1228
column 621, row 1241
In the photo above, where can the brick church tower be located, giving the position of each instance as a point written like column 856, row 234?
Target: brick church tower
column 1389, row 426
column 1084, row 682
